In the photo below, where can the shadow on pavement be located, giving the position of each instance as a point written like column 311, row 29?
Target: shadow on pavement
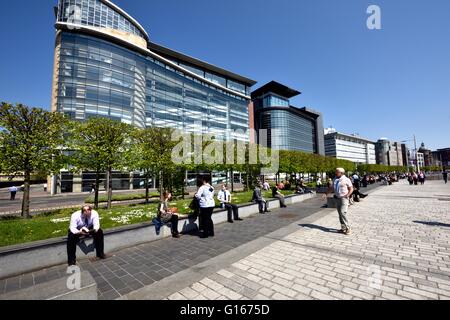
column 433, row 224
column 324, row 229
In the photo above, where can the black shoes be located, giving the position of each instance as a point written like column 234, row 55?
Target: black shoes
column 238, row 219
column 230, row 221
column 176, row 235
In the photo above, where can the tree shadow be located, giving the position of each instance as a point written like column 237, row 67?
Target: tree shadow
column 433, row 224
column 324, row 229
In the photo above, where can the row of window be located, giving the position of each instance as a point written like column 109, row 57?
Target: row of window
column 288, row 131
column 148, row 94
column 94, row 13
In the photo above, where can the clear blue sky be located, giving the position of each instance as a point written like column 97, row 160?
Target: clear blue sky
column 389, row 83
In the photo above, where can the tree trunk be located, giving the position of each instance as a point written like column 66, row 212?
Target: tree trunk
column 232, row 181
column 246, row 178
column 109, row 188
column 97, row 186
column 161, row 187
column 147, row 188
column 26, row 196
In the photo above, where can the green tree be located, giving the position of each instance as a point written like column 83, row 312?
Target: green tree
column 31, row 141
column 152, row 152
column 101, row 145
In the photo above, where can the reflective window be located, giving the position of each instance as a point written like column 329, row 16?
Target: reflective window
column 274, row 101
column 96, row 14
column 97, row 78
column 289, row 131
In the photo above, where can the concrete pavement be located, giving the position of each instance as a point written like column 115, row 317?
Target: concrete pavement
column 399, row 249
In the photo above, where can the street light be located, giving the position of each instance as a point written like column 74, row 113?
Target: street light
column 415, row 151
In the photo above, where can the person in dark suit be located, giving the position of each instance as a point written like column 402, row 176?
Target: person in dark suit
column 85, row 222
column 258, row 198
column 277, row 194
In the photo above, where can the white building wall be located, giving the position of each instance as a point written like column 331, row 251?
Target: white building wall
column 352, row 149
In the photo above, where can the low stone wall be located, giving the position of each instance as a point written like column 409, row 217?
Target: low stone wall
column 18, row 259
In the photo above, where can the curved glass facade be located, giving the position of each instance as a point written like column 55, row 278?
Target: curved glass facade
column 98, row 78
column 95, row 13
column 293, row 132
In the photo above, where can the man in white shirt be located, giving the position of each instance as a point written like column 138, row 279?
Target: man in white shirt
column 84, row 222
column 343, row 189
column 224, row 196
column 13, row 192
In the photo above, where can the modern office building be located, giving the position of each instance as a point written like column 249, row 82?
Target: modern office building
column 349, row 147
column 106, row 65
column 289, row 128
column 389, row 153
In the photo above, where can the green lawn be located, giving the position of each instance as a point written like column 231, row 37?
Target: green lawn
column 55, row 224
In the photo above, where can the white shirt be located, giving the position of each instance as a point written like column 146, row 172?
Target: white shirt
column 77, row 221
column 224, row 196
column 206, row 196
column 341, row 186
column 13, row 189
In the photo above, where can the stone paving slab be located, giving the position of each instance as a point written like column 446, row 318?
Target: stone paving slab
column 399, row 249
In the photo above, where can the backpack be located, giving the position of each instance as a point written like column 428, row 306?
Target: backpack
column 194, row 205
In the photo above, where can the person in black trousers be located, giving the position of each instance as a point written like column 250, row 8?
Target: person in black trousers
column 224, row 196
column 258, row 198
column 445, row 176
column 165, row 215
column 205, row 195
column 85, row 222
column 277, row 194
column 13, row 192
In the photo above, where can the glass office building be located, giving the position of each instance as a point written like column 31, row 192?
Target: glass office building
column 288, row 127
column 105, row 65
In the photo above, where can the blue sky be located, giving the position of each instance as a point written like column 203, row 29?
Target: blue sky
column 393, row 82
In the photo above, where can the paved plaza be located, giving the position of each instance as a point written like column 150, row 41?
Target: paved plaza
column 399, row 249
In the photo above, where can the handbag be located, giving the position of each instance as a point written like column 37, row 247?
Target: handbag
column 165, row 216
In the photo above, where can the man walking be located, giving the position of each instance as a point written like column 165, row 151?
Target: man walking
column 445, row 176
column 84, row 223
column 343, row 189
column 13, row 192
column 224, row 196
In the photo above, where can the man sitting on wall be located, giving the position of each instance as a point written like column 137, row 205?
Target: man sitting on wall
column 224, row 196
column 85, row 222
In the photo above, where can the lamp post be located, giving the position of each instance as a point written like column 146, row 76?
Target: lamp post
column 416, row 154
